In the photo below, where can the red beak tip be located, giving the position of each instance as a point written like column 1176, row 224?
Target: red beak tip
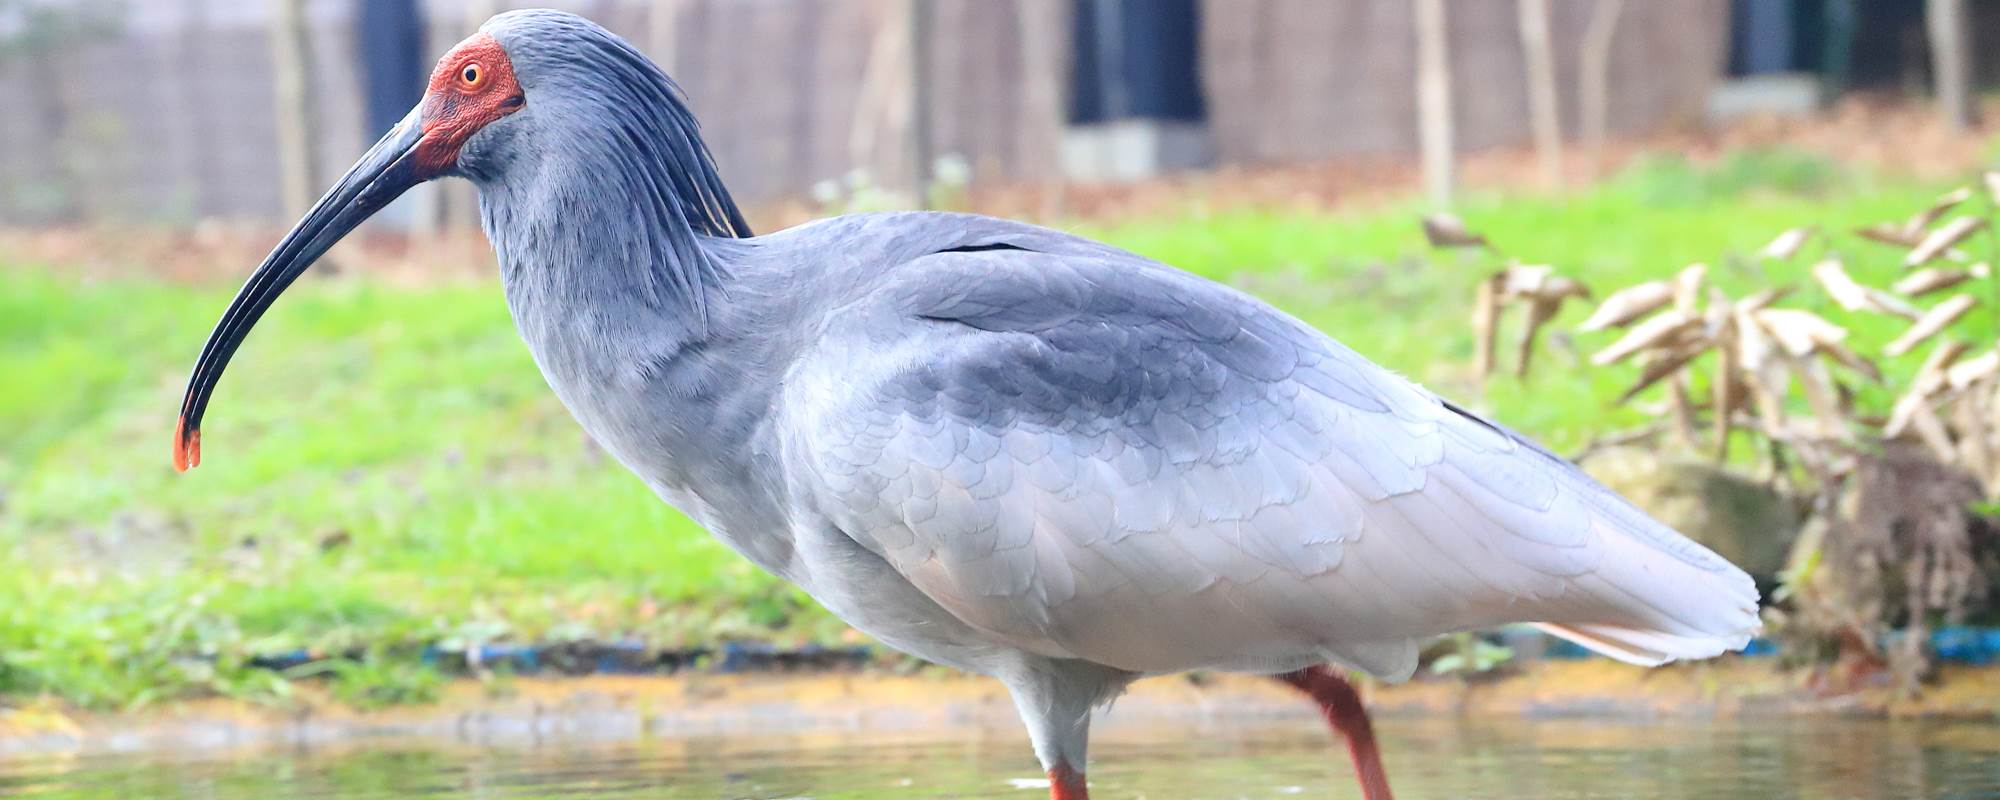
column 187, row 447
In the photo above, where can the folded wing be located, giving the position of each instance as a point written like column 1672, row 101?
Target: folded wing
column 1089, row 455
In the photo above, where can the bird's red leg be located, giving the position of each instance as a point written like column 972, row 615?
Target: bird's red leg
column 1066, row 784
column 1342, row 707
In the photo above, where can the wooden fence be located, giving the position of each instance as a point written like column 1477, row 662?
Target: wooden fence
column 162, row 110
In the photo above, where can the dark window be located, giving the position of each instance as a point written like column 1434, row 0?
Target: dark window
column 1849, row 43
column 390, row 34
column 1137, row 59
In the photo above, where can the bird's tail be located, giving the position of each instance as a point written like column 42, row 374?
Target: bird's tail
column 1647, row 610
column 1639, row 646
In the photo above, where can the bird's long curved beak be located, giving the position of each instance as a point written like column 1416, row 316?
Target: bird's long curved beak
column 384, row 173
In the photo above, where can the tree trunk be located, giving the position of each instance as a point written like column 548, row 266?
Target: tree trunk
column 50, row 116
column 1543, row 115
column 921, row 146
column 663, row 26
column 1951, row 62
column 1594, row 84
column 1434, row 101
column 1043, row 66
column 191, row 56
column 880, row 106
column 291, row 75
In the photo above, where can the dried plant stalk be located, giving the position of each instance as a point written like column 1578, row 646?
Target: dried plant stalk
column 1930, row 429
column 1964, row 374
column 1447, row 231
column 1763, row 299
column 1687, row 287
column 1660, row 364
column 1655, row 332
column 1855, row 297
column 1931, row 279
column 1931, row 378
column 1683, row 410
column 1535, row 284
column 1992, row 478
column 1722, row 390
column 1950, row 410
column 1969, row 416
column 1931, row 323
column 1787, row 244
column 1540, row 310
column 1762, row 365
column 1852, row 360
column 1628, row 304
column 1525, row 280
column 1820, row 395
column 1890, row 233
column 1938, row 241
column 1485, row 325
column 1798, row 332
column 1945, row 202
column 1941, row 357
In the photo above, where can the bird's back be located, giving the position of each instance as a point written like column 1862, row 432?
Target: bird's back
column 1085, row 454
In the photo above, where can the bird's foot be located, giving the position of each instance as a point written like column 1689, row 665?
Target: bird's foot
column 1343, row 710
column 1067, row 784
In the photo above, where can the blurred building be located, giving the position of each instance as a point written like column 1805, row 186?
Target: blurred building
column 163, row 109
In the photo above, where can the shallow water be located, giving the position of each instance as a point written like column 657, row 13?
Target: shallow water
column 1426, row 759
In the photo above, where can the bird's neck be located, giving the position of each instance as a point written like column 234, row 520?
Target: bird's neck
column 573, row 250
column 604, row 292
column 616, row 218
column 671, row 383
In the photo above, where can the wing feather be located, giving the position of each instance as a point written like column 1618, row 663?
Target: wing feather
column 1092, row 456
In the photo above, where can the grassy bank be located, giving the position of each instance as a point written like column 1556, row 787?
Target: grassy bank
column 385, row 469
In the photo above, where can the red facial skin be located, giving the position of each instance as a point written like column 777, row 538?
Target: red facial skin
column 472, row 86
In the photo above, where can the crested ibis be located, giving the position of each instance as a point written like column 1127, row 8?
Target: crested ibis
column 993, row 445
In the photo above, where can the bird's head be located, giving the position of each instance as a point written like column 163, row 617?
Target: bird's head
column 527, row 86
column 472, row 87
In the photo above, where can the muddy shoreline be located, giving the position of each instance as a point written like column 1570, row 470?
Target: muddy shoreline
column 621, row 708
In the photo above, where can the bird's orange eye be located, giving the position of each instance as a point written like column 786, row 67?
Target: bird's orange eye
column 471, row 74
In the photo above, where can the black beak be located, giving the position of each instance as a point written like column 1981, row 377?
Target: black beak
column 384, row 173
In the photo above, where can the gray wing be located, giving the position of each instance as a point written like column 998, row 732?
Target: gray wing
column 1090, row 455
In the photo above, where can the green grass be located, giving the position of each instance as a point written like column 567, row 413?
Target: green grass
column 385, row 468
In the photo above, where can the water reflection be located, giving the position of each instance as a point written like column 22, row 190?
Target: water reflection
column 1809, row 760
